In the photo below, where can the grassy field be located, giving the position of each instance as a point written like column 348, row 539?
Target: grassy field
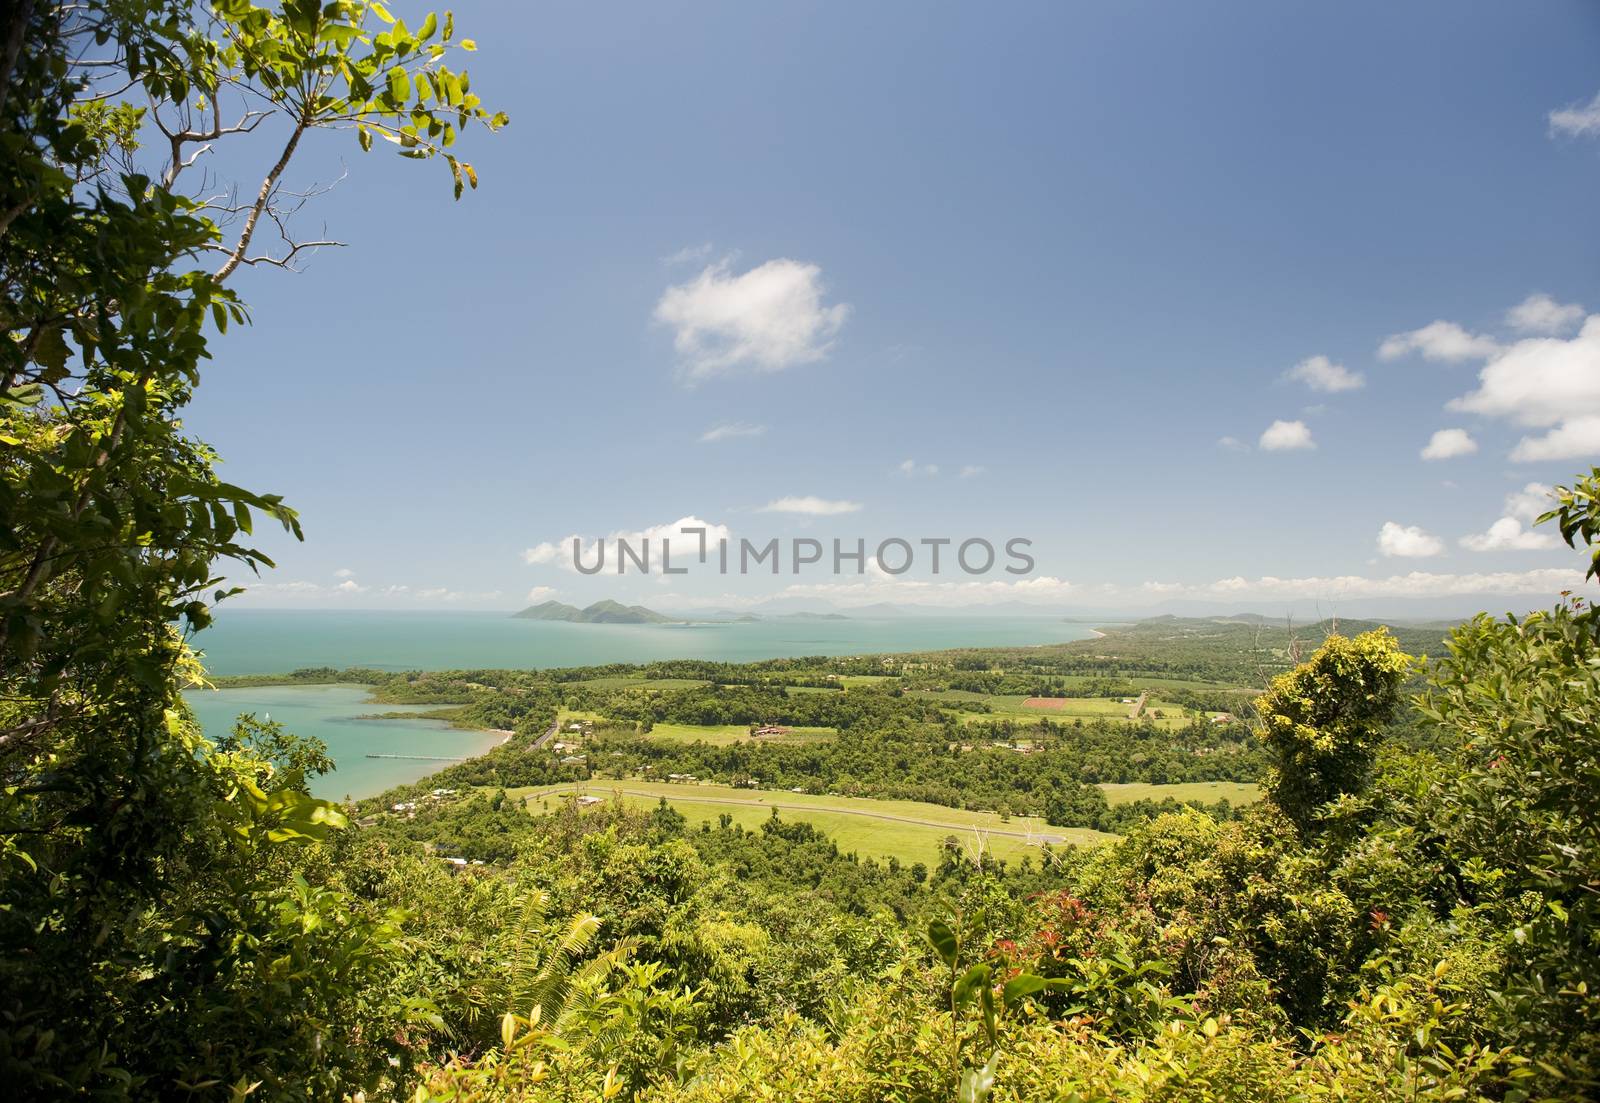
column 1237, row 792
column 852, row 680
column 635, row 681
column 908, row 830
column 720, row 735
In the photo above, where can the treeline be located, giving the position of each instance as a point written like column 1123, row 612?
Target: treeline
column 752, row 704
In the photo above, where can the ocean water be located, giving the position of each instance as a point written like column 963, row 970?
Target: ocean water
column 331, row 713
column 253, row 641
column 260, row 641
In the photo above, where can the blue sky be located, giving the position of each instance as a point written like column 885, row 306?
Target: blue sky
column 1082, row 253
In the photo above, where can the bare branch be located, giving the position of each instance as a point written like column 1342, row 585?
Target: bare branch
column 178, row 139
column 283, row 261
column 236, row 256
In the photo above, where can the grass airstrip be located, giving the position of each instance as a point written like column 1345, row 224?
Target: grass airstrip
column 910, row 831
column 1234, row 792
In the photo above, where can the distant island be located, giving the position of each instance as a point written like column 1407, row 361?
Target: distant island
column 601, row 612
column 614, row 612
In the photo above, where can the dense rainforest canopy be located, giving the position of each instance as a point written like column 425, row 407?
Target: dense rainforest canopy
column 1412, row 911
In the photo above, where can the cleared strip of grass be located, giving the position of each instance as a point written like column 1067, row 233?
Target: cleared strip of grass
column 721, row 735
column 910, row 831
column 634, row 681
column 1236, row 792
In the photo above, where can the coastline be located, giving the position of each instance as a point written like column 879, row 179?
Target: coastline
column 341, row 715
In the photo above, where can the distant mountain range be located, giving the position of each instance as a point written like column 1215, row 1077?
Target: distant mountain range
column 614, row 612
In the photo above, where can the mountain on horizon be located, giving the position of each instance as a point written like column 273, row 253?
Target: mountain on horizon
column 601, row 612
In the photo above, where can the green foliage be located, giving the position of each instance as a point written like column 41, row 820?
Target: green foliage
column 1519, row 817
column 1322, row 721
column 166, row 912
column 1577, row 516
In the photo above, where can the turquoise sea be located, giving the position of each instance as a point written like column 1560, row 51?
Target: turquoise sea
column 332, row 714
column 259, row 641
column 251, row 641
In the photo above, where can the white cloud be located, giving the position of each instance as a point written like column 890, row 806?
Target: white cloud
column 1539, row 313
column 911, row 468
column 972, row 470
column 876, row 586
column 542, row 593
column 1233, row 444
column 1447, row 444
column 298, row 590
column 731, row 430
column 1321, row 374
column 1286, row 436
column 1442, row 341
column 344, row 572
column 767, row 319
column 1578, row 119
column 293, row 586
column 1545, row 382
column 1571, row 440
column 1507, row 534
column 681, row 546
column 1547, row 580
column 816, row 507
column 1530, row 502
column 690, row 254
column 1407, row 541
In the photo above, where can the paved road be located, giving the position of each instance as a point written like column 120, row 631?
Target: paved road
column 550, row 733
column 754, row 803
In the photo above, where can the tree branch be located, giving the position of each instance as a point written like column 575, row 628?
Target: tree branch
column 236, row 257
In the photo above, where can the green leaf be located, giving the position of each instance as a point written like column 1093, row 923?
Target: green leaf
column 1020, row 988
column 943, row 941
column 973, row 979
column 399, row 85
